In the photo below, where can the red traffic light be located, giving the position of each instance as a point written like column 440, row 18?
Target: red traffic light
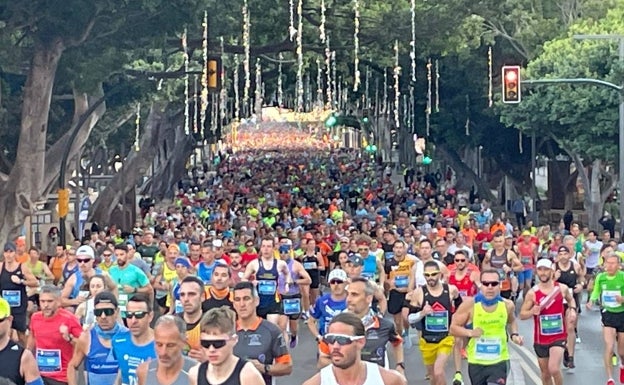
column 511, row 84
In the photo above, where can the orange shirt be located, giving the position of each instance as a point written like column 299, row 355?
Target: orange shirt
column 470, row 236
column 22, row 258
column 498, row 227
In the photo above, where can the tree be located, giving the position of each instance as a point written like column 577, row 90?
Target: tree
column 582, row 120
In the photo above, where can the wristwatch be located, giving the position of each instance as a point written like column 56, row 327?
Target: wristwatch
column 402, row 365
column 267, row 369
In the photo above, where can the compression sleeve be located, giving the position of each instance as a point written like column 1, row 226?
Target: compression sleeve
column 37, row 381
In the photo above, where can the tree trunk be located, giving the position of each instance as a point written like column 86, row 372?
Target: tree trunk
column 466, row 177
column 25, row 184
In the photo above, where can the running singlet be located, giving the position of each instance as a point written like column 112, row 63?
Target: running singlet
column 526, row 255
column 466, row 287
column 204, row 272
column 491, row 347
column 497, row 262
column 13, row 293
column 182, row 378
column 373, row 376
column 11, row 357
column 100, row 364
column 233, row 379
column 435, row 326
column 370, row 267
column 399, row 271
column 267, row 284
column 68, row 272
column 131, row 356
column 550, row 323
column 608, row 288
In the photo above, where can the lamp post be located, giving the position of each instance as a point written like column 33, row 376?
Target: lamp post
column 620, row 40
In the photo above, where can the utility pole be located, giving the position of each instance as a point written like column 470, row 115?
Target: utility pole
column 620, row 40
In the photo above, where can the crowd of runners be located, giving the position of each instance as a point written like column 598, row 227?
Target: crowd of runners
column 217, row 287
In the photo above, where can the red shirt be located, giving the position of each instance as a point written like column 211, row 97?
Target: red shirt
column 248, row 257
column 550, row 325
column 52, row 352
column 484, row 238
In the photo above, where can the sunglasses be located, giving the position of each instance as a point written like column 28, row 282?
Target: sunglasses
column 490, row 283
column 341, row 339
column 217, row 344
column 460, row 260
column 335, row 282
column 428, row 275
column 107, row 312
column 136, row 314
column 106, row 255
column 83, row 260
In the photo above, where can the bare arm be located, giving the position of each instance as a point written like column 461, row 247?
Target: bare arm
column 141, row 373
column 249, row 376
column 47, row 272
column 193, row 374
column 250, row 270
column 462, row 317
column 526, row 311
column 304, row 277
column 77, row 358
column 28, row 367
column 314, row 380
column 515, row 263
column 29, row 278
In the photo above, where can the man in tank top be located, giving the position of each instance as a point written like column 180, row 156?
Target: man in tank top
column 346, row 338
column 170, row 367
column 218, row 338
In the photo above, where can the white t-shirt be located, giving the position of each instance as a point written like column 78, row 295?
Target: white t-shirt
column 373, row 375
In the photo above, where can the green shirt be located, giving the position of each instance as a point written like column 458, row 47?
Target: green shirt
column 606, row 288
column 491, row 347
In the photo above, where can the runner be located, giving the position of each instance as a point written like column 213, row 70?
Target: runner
column 218, row 338
column 346, row 339
column 53, row 331
column 170, row 367
column 135, row 346
column 434, row 305
column 57, row 262
column 504, row 261
column 267, row 270
column 70, row 266
column 329, row 305
column 259, row 341
column 218, row 293
column 491, row 316
column 397, row 269
column 14, row 278
column 18, row 364
column 93, row 347
column 205, row 266
column 609, row 288
column 354, row 267
column 545, row 303
column 313, row 264
column 192, row 294
column 570, row 273
column 527, row 251
column 129, row 279
column 291, row 298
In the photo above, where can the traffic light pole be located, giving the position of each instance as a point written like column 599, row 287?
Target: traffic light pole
column 620, row 90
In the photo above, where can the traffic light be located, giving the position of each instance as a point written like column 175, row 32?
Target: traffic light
column 365, row 118
column 214, row 70
column 371, row 148
column 511, row 84
column 331, row 121
column 63, row 202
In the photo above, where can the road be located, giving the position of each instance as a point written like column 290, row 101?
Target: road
column 524, row 368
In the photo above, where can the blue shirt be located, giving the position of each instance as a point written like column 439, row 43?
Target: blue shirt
column 131, row 356
column 325, row 308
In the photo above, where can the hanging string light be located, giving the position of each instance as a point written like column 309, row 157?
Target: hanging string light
column 428, row 108
column 319, row 84
column 490, row 87
column 413, row 42
column 291, row 26
column 385, row 93
column 186, row 84
column 300, row 56
column 322, row 25
column 328, row 75
column 280, row 91
column 356, row 45
column 196, row 104
column 204, row 79
column 397, row 90
column 236, row 91
column 258, row 91
column 334, row 83
column 366, row 88
column 246, row 64
column 467, row 115
column 137, row 123
column 520, row 141
column 437, row 86
column 224, row 88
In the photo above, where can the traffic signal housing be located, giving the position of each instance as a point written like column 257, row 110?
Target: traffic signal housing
column 331, row 121
column 511, row 84
column 215, row 67
column 63, row 202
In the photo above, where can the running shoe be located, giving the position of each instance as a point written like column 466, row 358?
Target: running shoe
column 610, row 381
column 621, row 374
column 458, row 379
column 571, row 365
column 293, row 341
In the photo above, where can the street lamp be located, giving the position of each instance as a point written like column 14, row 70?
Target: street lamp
column 620, row 39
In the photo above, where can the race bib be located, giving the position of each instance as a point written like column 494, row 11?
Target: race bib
column 401, row 281
column 526, row 260
column 368, row 276
column 551, row 324
column 463, row 293
column 609, row 298
column 123, row 301
column 486, row 246
column 488, row 349
column 267, row 287
column 311, row 265
column 179, row 309
column 49, row 360
column 83, row 293
column 437, row 321
column 292, row 306
column 13, row 297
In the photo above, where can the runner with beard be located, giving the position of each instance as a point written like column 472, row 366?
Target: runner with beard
column 130, row 279
column 545, row 303
column 237, row 269
column 434, row 305
column 191, row 296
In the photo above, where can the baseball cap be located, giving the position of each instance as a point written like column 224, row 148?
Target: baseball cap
column 544, row 262
column 5, row 308
column 356, row 260
column 337, row 274
column 526, row 233
column 85, row 251
column 183, row 261
column 563, row 249
column 105, row 297
column 217, row 243
column 10, row 246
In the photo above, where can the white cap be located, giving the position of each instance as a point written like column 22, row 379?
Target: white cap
column 544, row 262
column 86, row 250
column 217, row 243
column 338, row 274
